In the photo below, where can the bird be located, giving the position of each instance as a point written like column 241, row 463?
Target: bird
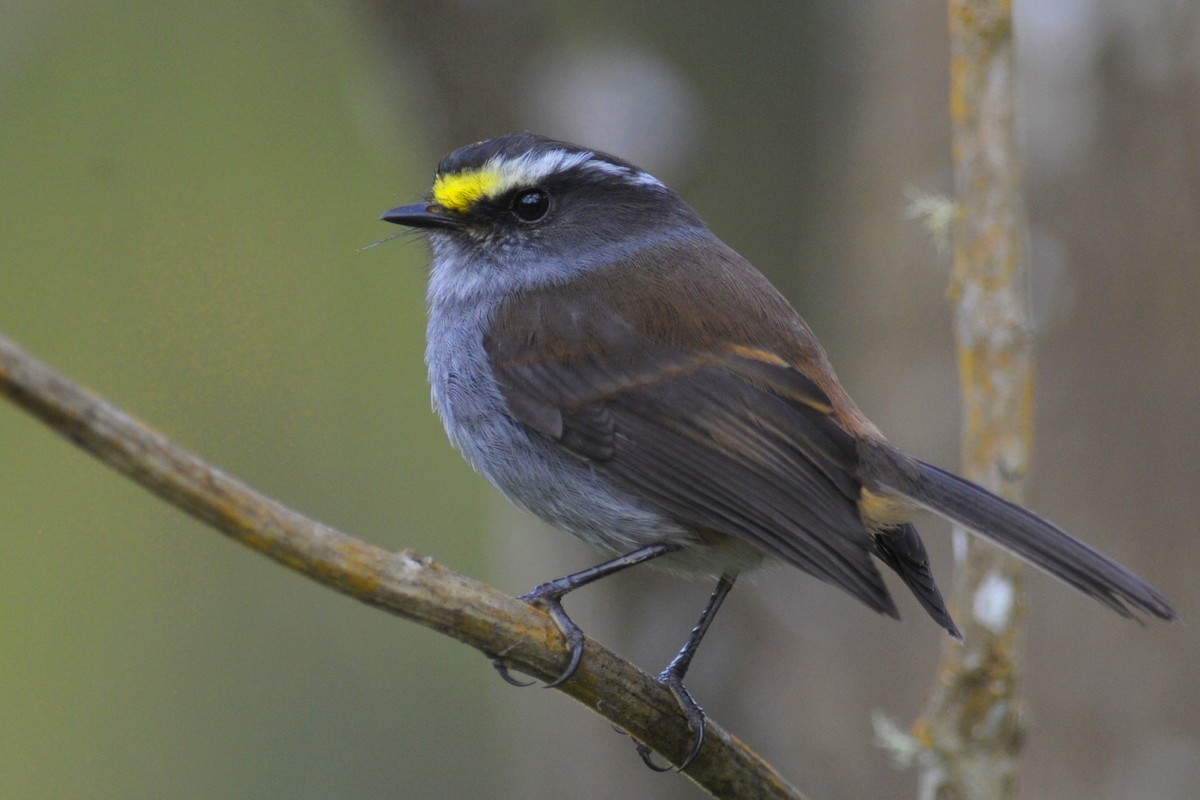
column 610, row 365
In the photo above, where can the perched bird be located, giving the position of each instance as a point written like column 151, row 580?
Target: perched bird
column 598, row 354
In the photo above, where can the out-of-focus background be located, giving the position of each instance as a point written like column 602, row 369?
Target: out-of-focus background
column 186, row 190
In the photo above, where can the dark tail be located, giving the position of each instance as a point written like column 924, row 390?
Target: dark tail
column 1022, row 532
column 901, row 548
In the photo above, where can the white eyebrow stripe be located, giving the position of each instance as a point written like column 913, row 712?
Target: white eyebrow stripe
column 531, row 168
column 635, row 176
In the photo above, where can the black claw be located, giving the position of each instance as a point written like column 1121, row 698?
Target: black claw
column 569, row 672
column 695, row 715
column 644, row 751
column 691, row 709
column 648, row 759
column 500, row 667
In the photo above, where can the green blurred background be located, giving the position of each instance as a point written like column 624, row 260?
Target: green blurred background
column 186, row 191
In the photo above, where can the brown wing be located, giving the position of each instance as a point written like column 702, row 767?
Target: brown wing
column 726, row 437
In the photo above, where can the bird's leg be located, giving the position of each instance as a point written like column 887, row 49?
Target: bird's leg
column 674, row 674
column 549, row 596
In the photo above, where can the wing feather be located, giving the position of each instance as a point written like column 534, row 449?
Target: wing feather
column 726, row 440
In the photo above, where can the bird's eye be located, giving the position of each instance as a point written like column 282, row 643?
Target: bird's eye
column 531, row 205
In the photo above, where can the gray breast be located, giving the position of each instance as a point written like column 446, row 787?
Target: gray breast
column 532, row 471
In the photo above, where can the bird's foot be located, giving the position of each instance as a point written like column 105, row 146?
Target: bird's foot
column 548, row 597
column 695, row 715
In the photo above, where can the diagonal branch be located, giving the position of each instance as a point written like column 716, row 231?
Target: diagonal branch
column 402, row 583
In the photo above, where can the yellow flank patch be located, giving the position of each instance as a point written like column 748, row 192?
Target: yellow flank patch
column 882, row 511
column 462, row 190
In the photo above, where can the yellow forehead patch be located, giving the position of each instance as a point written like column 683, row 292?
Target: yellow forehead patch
column 460, row 191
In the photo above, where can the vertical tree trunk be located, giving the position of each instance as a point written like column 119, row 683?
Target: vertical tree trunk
column 971, row 728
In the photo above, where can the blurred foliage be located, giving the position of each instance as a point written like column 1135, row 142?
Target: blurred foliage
column 186, row 191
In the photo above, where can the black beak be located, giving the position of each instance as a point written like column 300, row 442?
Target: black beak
column 422, row 215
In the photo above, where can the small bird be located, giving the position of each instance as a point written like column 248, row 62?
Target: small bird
column 610, row 365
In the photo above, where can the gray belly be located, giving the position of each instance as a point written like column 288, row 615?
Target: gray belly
column 536, row 474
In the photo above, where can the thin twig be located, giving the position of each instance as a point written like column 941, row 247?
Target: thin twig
column 402, row 583
column 971, row 728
